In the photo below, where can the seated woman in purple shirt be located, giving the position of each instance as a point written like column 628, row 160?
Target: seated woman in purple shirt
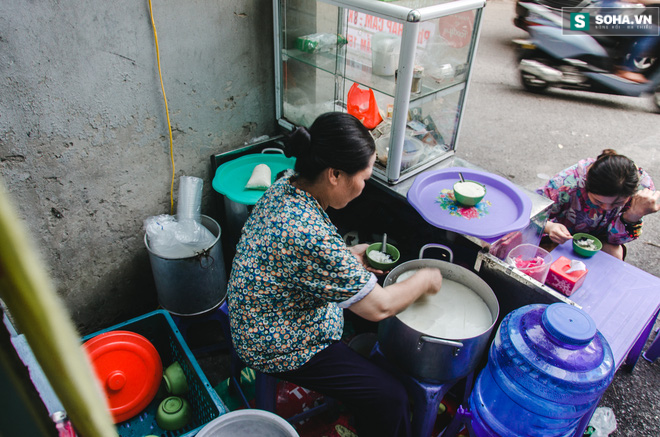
column 606, row 197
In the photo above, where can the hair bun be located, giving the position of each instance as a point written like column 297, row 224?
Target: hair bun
column 606, row 153
column 298, row 143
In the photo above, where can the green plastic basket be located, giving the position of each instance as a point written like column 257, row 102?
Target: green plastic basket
column 159, row 328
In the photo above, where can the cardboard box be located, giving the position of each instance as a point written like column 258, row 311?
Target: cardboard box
column 565, row 283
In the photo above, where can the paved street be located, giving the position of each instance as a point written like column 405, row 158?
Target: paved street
column 527, row 137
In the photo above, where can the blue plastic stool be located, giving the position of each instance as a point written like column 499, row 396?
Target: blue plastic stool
column 265, row 385
column 185, row 323
column 426, row 396
column 463, row 418
column 653, row 352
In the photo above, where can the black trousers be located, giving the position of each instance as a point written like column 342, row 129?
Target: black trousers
column 376, row 397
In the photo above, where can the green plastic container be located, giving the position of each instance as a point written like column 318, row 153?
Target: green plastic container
column 465, row 199
column 583, row 251
column 231, row 177
column 392, row 251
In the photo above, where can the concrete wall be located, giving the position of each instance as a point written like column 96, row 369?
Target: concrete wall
column 84, row 148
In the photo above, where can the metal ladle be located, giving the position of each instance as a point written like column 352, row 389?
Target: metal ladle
column 383, row 248
column 460, row 175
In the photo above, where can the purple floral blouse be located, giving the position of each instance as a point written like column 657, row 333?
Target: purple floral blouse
column 573, row 209
column 291, row 277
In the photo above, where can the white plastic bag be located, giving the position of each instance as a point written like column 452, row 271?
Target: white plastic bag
column 603, row 421
column 169, row 238
column 260, row 178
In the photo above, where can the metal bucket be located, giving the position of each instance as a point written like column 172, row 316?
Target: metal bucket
column 193, row 285
column 431, row 358
column 248, row 423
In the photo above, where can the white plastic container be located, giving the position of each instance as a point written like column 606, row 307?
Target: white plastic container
column 413, row 150
column 385, row 49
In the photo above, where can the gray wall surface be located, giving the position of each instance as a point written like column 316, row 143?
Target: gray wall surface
column 84, row 143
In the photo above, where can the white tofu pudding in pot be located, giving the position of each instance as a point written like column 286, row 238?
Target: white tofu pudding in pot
column 441, row 337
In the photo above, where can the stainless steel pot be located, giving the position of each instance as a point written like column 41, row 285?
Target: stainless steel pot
column 431, row 358
column 191, row 285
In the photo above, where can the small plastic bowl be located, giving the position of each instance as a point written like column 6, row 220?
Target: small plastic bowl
column 392, row 251
column 173, row 413
column 464, row 198
column 583, row 251
column 175, row 379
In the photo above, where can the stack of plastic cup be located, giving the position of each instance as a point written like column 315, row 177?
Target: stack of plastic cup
column 189, row 206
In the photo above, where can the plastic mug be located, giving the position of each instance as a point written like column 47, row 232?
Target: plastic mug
column 175, row 379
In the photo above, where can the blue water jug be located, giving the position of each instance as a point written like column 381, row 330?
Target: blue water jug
column 547, row 367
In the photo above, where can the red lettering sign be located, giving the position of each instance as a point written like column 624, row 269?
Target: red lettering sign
column 457, row 29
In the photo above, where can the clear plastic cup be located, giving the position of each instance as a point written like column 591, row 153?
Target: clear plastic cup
column 532, row 260
column 189, row 206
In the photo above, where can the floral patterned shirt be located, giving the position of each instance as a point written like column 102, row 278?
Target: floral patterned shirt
column 573, row 209
column 290, row 280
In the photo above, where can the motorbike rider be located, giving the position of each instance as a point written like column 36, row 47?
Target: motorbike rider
column 641, row 47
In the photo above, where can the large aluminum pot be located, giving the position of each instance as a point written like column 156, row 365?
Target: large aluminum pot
column 430, row 358
column 191, row 285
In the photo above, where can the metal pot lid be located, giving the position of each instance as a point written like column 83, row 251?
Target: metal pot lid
column 129, row 369
column 231, row 177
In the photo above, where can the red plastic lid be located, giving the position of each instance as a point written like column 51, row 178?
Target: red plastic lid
column 129, row 369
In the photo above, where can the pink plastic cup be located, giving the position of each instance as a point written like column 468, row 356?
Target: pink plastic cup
column 532, row 260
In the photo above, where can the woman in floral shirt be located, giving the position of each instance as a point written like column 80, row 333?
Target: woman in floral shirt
column 293, row 276
column 606, row 197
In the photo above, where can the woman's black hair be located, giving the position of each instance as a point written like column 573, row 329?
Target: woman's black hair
column 335, row 140
column 612, row 175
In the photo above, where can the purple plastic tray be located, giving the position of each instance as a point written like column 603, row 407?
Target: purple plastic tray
column 504, row 209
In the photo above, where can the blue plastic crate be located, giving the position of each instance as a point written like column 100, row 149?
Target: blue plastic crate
column 159, row 328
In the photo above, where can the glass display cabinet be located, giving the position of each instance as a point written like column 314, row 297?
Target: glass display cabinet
column 402, row 67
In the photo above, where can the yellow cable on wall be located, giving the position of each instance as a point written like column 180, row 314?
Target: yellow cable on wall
column 167, row 111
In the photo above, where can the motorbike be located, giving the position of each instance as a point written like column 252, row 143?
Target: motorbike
column 520, row 19
column 578, row 61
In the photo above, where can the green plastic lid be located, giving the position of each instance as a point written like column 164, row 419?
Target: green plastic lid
column 231, row 177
